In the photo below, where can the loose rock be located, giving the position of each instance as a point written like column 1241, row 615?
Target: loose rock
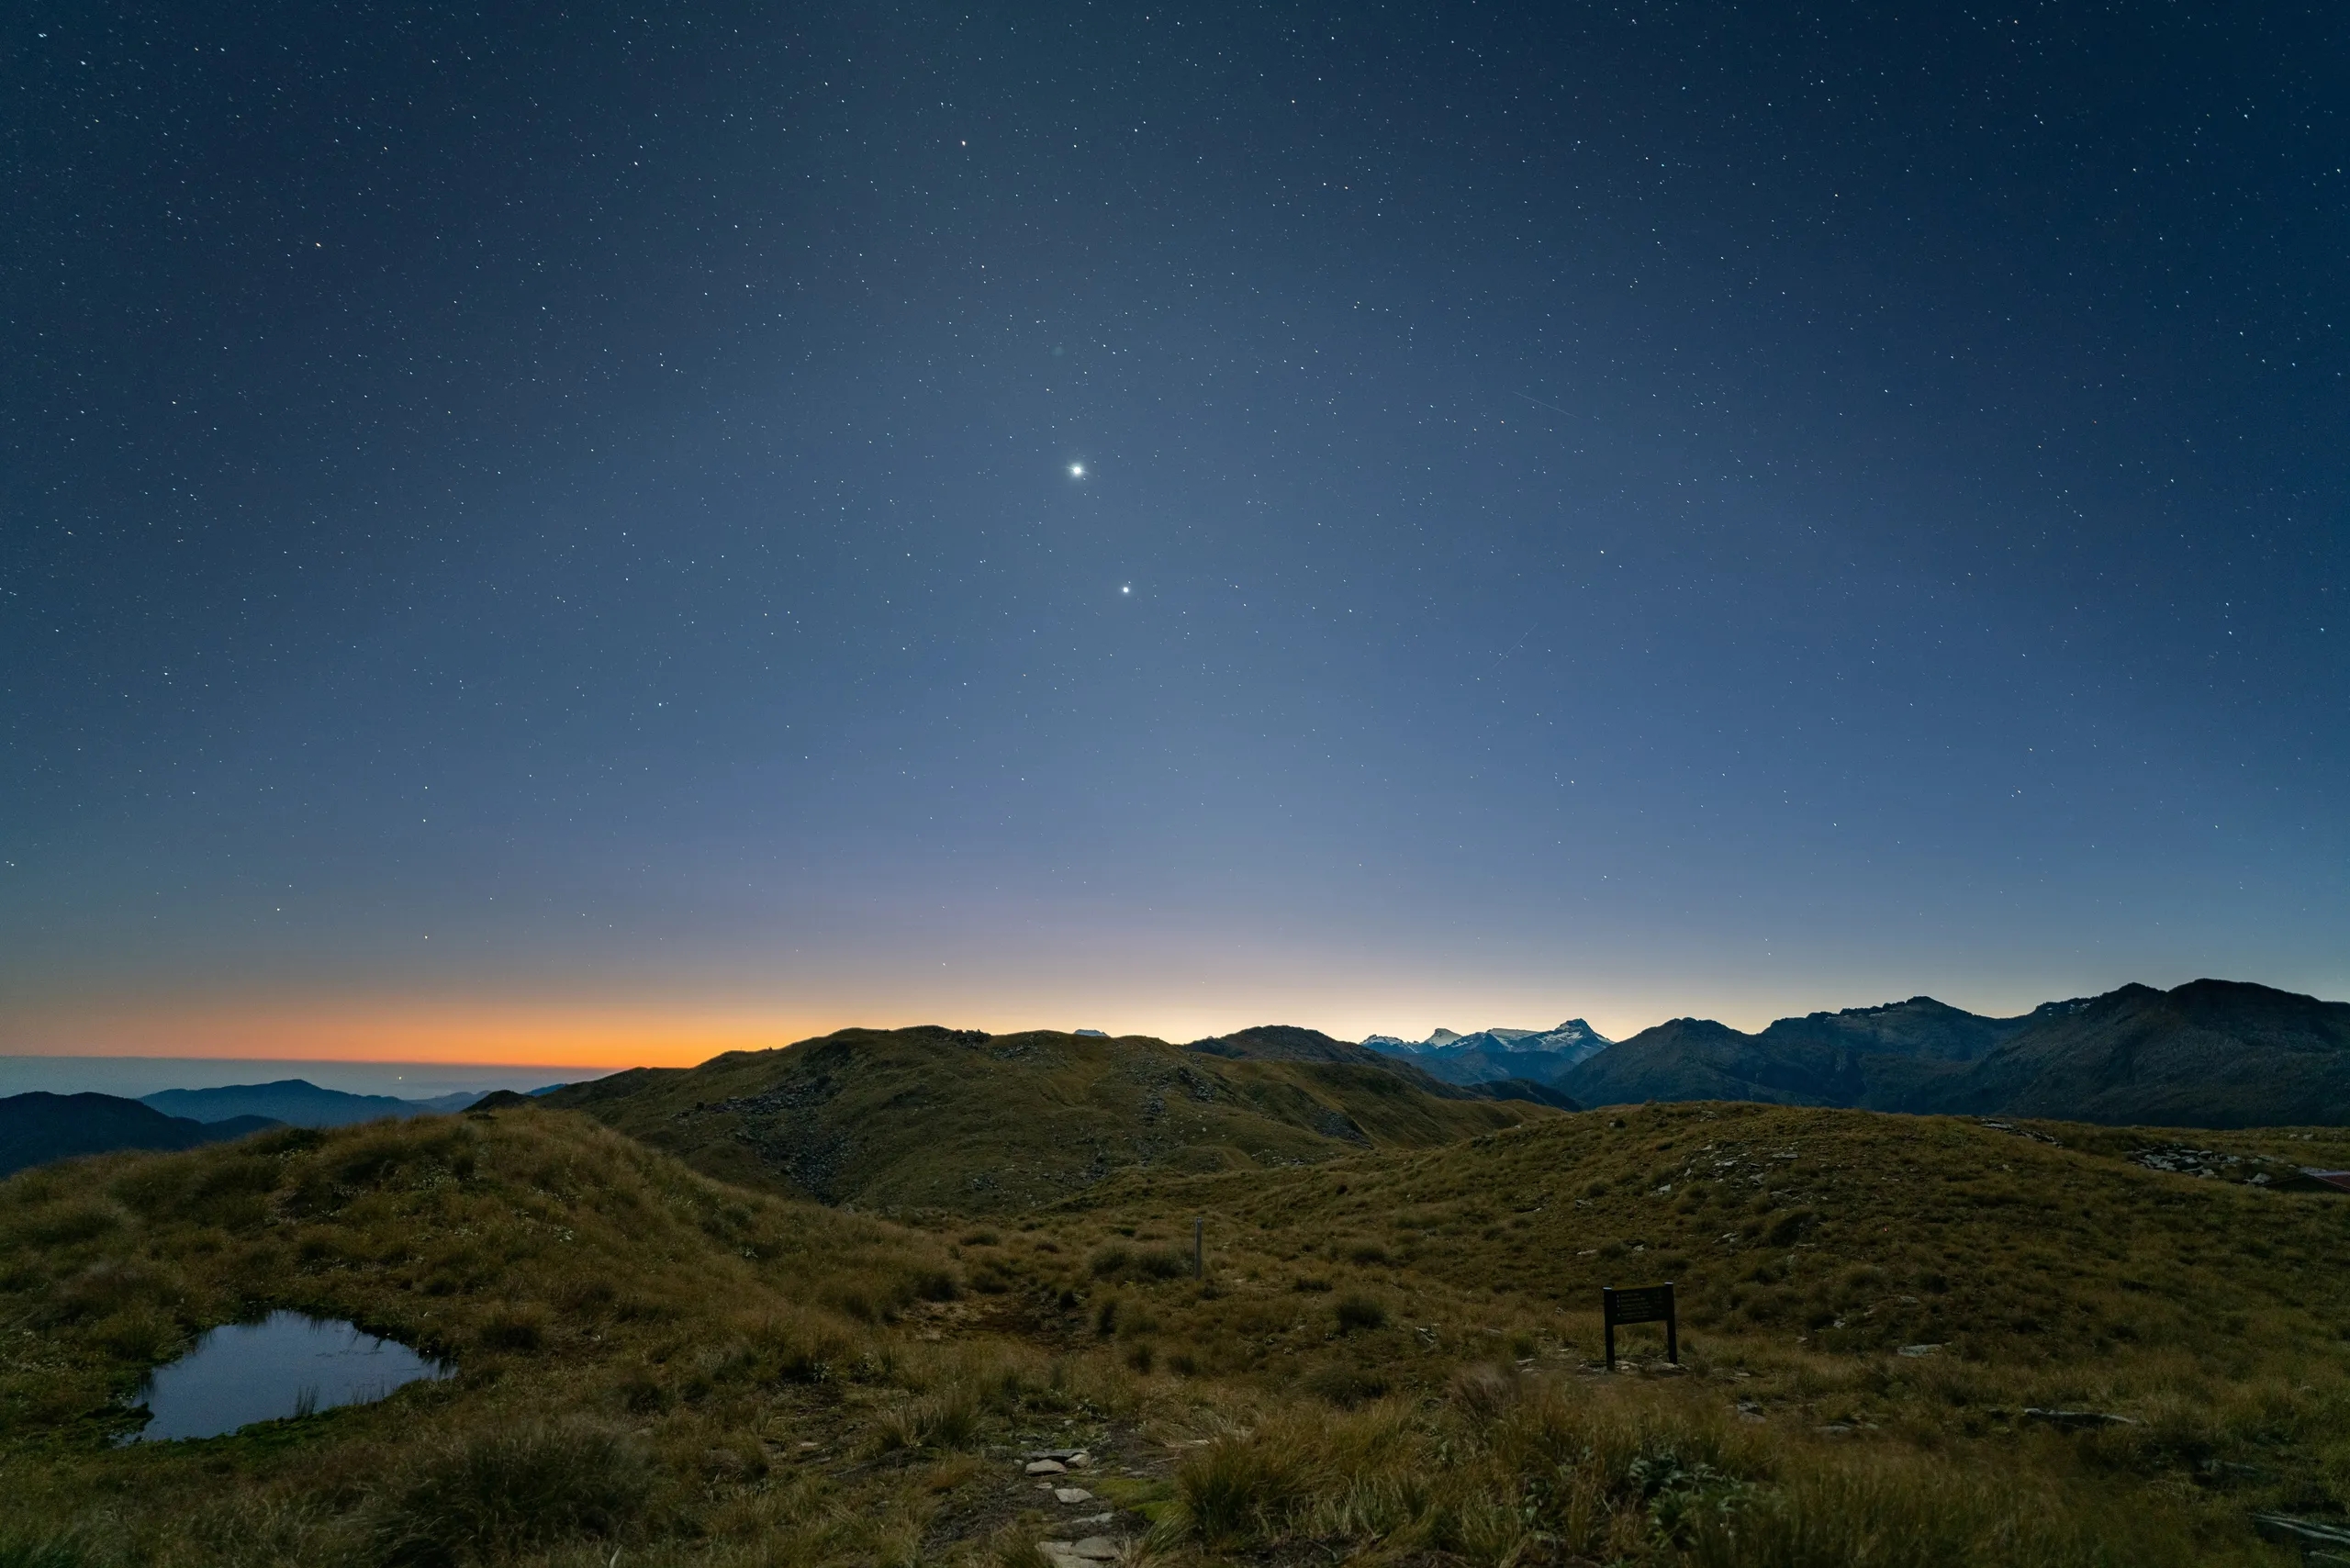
column 1071, row 1495
column 1046, row 1467
column 2078, row 1420
column 1080, row 1554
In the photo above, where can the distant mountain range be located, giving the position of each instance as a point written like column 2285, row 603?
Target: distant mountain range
column 1285, row 1042
column 298, row 1103
column 37, row 1127
column 862, row 1115
column 2210, row 1053
column 1536, row 1055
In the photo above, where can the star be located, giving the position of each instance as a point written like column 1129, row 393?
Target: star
column 1077, row 470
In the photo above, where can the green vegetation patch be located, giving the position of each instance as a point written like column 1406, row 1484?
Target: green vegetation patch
column 1903, row 1342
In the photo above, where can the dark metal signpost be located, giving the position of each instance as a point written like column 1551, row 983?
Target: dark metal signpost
column 1642, row 1304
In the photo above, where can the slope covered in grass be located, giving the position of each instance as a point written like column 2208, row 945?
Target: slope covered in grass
column 642, row 1355
column 2191, row 1329
column 1389, row 1360
column 942, row 1118
column 1846, row 1230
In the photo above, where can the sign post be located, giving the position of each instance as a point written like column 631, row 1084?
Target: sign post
column 1641, row 1304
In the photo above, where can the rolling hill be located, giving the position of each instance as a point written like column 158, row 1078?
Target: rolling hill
column 37, row 1127
column 1903, row 1342
column 935, row 1117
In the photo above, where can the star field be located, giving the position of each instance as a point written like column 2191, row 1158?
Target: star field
column 1167, row 518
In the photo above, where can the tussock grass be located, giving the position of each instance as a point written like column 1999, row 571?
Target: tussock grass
column 495, row 1493
column 44, row 1551
column 1390, row 1359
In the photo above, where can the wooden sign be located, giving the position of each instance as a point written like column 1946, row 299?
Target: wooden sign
column 1641, row 1304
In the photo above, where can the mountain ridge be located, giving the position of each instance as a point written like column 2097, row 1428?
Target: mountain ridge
column 937, row 1117
column 1538, row 1055
column 38, row 1127
column 297, row 1102
column 2209, row 1053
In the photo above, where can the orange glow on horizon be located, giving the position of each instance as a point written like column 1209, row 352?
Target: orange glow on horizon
column 507, row 1035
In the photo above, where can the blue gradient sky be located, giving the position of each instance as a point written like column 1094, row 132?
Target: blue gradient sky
column 557, row 534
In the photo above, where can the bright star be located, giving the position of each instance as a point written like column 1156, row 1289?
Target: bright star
column 1125, row 588
column 1077, row 470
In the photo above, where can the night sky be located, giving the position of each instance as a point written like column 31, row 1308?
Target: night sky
column 606, row 533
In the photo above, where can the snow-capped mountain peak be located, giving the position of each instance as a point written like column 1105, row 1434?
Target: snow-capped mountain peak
column 1574, row 1038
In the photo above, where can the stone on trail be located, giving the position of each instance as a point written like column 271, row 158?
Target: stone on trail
column 1046, row 1467
column 1093, row 1548
column 1071, row 1495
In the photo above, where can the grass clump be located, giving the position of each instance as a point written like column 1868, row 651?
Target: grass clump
column 1238, row 1490
column 1117, row 1261
column 496, row 1494
column 948, row 1421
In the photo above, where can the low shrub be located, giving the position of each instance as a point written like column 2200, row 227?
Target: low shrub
column 1356, row 1310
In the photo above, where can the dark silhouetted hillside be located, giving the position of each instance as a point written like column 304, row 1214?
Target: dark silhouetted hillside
column 2212, row 1053
column 297, row 1103
column 1920, row 1029
column 2209, row 1054
column 1285, row 1041
column 37, row 1127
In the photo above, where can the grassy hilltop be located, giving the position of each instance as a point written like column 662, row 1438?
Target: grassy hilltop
column 945, row 1118
column 1390, row 1361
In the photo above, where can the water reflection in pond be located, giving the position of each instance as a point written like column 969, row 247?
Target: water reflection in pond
column 288, row 1364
